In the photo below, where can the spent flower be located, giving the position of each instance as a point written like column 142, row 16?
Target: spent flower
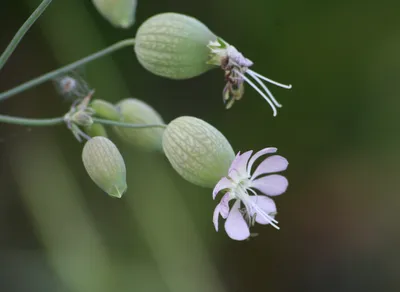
column 236, row 67
column 251, row 192
column 178, row 46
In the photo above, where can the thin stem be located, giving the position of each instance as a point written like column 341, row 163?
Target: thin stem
column 22, row 31
column 65, row 69
column 31, row 122
column 127, row 125
column 60, row 120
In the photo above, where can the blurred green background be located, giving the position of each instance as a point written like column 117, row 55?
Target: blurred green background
column 339, row 128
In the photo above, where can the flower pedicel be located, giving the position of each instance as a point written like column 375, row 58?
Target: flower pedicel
column 177, row 46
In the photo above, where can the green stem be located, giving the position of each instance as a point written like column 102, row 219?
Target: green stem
column 31, row 122
column 60, row 120
column 65, row 69
column 127, row 125
column 22, row 31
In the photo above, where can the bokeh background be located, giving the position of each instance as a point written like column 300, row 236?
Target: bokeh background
column 339, row 128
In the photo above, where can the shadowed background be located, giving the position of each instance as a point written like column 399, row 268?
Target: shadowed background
column 339, row 128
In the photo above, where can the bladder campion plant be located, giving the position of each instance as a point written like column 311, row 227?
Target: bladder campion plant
column 174, row 46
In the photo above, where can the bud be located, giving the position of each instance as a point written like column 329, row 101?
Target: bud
column 105, row 110
column 105, row 166
column 82, row 118
column 96, row 130
column 174, row 45
column 121, row 13
column 197, row 151
column 135, row 111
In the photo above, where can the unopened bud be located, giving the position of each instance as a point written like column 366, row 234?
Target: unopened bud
column 105, row 166
column 174, row 45
column 135, row 111
column 197, row 151
column 82, row 118
column 120, row 13
column 105, row 110
column 96, row 130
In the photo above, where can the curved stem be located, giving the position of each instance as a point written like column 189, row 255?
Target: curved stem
column 31, row 122
column 127, row 125
column 22, row 31
column 60, row 120
column 65, row 69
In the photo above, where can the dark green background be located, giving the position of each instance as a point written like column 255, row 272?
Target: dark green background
column 339, row 128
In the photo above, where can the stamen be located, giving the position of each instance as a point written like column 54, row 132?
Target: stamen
column 259, row 91
column 271, row 220
column 265, row 88
column 256, row 195
column 244, row 197
column 270, row 80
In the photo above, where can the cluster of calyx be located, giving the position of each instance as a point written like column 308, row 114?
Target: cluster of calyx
column 179, row 47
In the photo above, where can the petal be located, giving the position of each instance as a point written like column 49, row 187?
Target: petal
column 221, row 209
column 259, row 154
column 273, row 163
column 216, row 216
column 265, row 204
column 239, row 165
column 235, row 225
column 271, row 185
column 224, row 205
column 234, row 162
column 223, row 184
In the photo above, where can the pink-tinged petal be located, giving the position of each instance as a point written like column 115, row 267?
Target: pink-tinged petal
column 223, row 184
column 271, row 185
column 259, row 154
column 239, row 165
column 216, row 216
column 224, row 205
column 234, row 162
column 273, row 163
column 267, row 205
column 235, row 225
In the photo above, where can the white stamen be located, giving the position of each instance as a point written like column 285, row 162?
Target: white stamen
column 270, row 80
column 265, row 88
column 259, row 91
column 245, row 198
column 272, row 219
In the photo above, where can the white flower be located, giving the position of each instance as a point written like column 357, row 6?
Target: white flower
column 236, row 66
column 241, row 185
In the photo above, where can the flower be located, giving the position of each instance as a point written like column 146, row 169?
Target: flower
column 241, row 185
column 236, row 66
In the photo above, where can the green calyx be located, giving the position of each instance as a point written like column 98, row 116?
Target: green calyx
column 105, row 166
column 120, row 13
column 105, row 110
column 174, row 45
column 135, row 111
column 96, row 130
column 197, row 151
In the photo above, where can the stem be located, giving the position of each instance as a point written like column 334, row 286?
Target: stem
column 22, row 31
column 127, row 125
column 65, row 69
column 31, row 122
column 60, row 120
